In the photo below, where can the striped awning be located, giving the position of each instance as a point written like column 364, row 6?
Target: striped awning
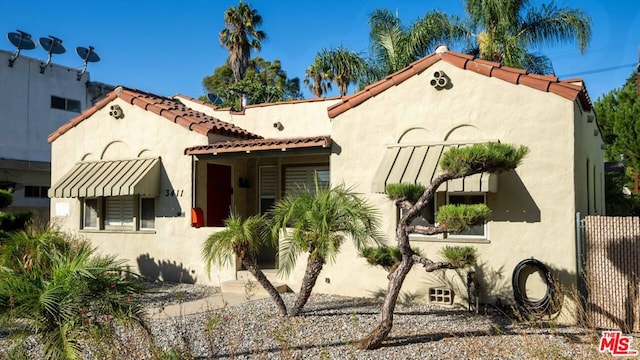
column 418, row 164
column 110, row 178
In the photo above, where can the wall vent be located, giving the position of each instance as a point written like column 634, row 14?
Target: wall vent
column 443, row 296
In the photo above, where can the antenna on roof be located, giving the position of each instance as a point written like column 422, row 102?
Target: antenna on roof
column 22, row 41
column 87, row 56
column 52, row 45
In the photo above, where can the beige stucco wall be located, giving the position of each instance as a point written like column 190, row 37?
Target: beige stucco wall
column 298, row 119
column 534, row 208
column 174, row 246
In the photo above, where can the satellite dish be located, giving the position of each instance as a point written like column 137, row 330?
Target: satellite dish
column 87, row 56
column 214, row 98
column 22, row 41
column 52, row 45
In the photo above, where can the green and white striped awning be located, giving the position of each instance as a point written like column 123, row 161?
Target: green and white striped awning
column 418, row 164
column 110, row 178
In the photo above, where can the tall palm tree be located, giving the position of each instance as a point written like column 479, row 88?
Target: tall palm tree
column 242, row 238
column 318, row 77
column 505, row 30
column 321, row 219
column 394, row 46
column 346, row 66
column 240, row 35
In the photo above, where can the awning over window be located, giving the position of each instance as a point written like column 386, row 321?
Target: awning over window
column 418, row 164
column 110, row 178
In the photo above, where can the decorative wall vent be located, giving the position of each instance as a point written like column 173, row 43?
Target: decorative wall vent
column 443, row 296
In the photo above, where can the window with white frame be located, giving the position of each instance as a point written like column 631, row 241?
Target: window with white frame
column 468, row 199
column 90, row 214
column 147, row 213
column 118, row 213
column 428, row 215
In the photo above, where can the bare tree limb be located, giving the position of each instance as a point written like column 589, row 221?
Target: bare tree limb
column 426, row 230
column 430, row 266
column 404, row 204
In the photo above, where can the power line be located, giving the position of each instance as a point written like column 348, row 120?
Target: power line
column 595, row 71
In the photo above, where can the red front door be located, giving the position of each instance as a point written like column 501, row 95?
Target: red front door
column 219, row 192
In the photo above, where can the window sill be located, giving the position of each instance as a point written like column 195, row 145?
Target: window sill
column 461, row 240
column 111, row 231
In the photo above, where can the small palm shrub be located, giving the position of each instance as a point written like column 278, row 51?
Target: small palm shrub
column 62, row 290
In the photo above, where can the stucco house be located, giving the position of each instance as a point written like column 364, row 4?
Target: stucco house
column 149, row 177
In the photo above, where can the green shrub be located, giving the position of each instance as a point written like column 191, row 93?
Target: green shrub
column 487, row 157
column 408, row 191
column 460, row 256
column 457, row 218
column 59, row 287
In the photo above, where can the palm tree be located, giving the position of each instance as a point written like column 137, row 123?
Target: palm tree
column 394, row 46
column 242, row 238
column 504, row 30
column 321, row 219
column 318, row 77
column 240, row 35
column 346, row 66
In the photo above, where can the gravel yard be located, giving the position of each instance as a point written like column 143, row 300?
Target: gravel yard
column 329, row 327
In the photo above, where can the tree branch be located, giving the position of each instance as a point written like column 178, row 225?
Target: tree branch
column 404, row 204
column 426, row 230
column 430, row 266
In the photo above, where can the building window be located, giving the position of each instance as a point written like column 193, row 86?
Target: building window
column 426, row 218
column 468, row 199
column 65, row 104
column 428, row 215
column 268, row 188
column 35, row 191
column 300, row 177
column 90, row 214
column 147, row 213
column 119, row 213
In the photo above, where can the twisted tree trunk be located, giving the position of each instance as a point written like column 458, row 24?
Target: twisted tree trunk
column 314, row 266
column 266, row 284
column 375, row 338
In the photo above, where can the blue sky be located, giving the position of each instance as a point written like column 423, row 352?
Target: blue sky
column 168, row 47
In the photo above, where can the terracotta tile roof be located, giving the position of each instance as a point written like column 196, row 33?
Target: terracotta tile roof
column 572, row 89
column 247, row 146
column 170, row 109
column 258, row 105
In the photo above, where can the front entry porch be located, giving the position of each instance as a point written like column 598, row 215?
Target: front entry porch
column 248, row 178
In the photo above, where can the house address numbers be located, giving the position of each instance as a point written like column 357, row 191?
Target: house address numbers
column 173, row 193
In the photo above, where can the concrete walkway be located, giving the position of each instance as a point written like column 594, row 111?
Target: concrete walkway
column 211, row 302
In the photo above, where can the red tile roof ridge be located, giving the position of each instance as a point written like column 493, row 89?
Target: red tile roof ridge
column 168, row 108
column 260, row 144
column 572, row 89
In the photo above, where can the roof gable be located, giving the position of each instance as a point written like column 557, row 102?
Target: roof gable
column 171, row 109
column 572, row 89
